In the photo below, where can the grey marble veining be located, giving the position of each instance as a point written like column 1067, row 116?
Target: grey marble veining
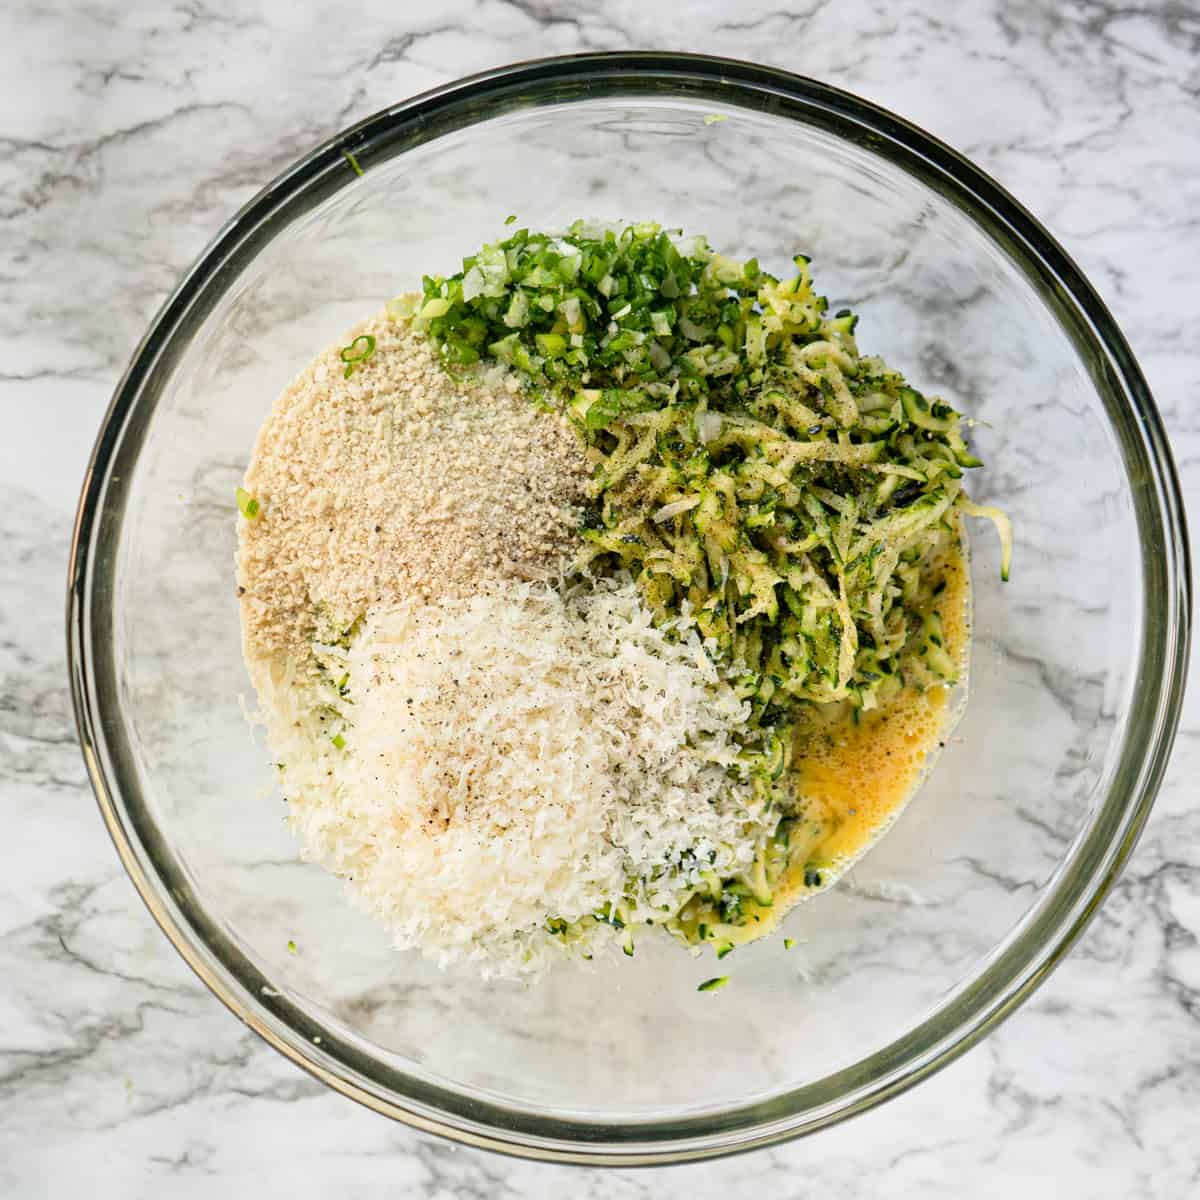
column 129, row 134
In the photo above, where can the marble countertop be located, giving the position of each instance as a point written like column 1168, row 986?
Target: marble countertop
column 129, row 134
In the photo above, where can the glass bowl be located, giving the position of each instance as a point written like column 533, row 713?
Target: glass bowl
column 1077, row 666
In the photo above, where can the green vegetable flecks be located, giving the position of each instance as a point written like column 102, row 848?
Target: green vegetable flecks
column 355, row 354
column 352, row 161
column 247, row 504
column 712, row 985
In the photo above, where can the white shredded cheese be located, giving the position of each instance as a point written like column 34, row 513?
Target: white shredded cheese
column 708, row 426
column 520, row 756
column 675, row 508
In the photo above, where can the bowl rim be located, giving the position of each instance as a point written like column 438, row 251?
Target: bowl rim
column 1009, row 977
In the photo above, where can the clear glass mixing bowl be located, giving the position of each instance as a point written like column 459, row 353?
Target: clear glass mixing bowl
column 1076, row 672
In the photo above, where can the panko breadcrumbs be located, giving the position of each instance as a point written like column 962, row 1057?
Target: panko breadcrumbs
column 398, row 482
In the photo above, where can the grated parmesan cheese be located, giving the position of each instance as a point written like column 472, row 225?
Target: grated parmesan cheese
column 518, row 756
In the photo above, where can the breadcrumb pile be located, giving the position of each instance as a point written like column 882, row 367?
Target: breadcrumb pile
column 400, row 480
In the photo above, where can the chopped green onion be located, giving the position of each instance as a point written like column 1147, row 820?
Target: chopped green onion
column 353, row 357
column 338, row 741
column 247, row 505
column 712, row 985
column 713, row 118
column 352, row 161
column 292, row 948
column 510, row 218
column 788, row 943
column 402, row 307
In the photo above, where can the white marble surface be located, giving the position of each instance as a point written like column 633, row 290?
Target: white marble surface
column 128, row 133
